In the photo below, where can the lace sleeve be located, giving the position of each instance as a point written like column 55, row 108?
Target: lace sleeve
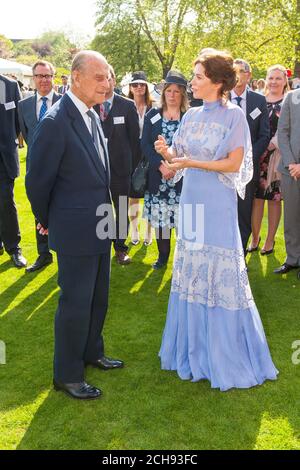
column 238, row 135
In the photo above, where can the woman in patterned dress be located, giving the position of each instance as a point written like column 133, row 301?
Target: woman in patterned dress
column 269, row 183
column 213, row 329
column 161, row 200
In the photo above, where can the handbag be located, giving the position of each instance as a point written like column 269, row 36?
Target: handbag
column 139, row 177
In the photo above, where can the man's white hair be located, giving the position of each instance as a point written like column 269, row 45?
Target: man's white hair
column 81, row 58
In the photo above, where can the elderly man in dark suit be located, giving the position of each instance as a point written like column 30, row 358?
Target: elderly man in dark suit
column 9, row 170
column 31, row 110
column 256, row 111
column 289, row 166
column 68, row 186
column 121, row 128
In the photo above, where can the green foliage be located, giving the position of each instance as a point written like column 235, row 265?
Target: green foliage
column 6, row 47
column 53, row 46
column 127, row 48
column 263, row 32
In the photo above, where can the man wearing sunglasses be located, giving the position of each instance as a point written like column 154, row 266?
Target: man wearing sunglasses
column 255, row 108
column 31, row 111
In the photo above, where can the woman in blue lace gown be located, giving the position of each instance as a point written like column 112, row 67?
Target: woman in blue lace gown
column 213, row 329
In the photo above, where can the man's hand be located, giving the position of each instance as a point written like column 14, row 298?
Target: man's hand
column 41, row 229
column 294, row 169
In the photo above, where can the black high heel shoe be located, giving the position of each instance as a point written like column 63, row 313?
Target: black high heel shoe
column 250, row 249
column 267, row 252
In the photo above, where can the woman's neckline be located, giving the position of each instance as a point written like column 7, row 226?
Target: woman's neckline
column 210, row 105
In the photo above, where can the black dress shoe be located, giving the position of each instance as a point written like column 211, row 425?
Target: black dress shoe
column 122, row 258
column 18, row 259
column 81, row 390
column 105, row 363
column 159, row 264
column 41, row 261
column 285, row 268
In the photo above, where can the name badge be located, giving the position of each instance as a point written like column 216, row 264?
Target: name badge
column 119, row 120
column 155, row 118
column 9, row 106
column 255, row 113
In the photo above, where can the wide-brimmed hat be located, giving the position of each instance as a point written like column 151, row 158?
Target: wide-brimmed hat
column 173, row 78
column 176, row 78
column 135, row 77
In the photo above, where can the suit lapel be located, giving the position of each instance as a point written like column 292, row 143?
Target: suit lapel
column 83, row 134
column 33, row 109
column 86, row 139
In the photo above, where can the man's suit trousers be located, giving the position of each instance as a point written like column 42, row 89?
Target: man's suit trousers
column 82, row 307
column 9, row 225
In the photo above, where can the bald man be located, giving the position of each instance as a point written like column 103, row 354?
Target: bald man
column 68, row 186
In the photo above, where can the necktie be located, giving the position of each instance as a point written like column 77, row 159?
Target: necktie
column 238, row 100
column 44, row 108
column 106, row 108
column 96, row 137
column 102, row 112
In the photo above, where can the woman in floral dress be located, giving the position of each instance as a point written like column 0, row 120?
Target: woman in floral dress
column 161, row 200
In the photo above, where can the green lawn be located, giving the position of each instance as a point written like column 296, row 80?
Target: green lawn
column 142, row 406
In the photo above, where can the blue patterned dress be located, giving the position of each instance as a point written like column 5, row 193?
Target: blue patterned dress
column 161, row 209
column 213, row 329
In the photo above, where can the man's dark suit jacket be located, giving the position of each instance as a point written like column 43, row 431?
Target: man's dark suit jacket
column 66, row 182
column 28, row 119
column 9, row 128
column 61, row 89
column 123, row 138
column 259, row 128
column 151, row 131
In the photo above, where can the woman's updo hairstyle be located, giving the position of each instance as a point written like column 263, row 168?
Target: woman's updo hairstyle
column 219, row 68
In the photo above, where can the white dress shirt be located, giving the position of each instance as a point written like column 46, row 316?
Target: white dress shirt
column 2, row 92
column 83, row 109
column 39, row 102
column 243, row 101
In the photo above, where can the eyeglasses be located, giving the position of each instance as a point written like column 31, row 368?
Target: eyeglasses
column 135, row 85
column 40, row 76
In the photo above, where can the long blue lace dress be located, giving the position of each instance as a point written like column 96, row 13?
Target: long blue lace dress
column 213, row 329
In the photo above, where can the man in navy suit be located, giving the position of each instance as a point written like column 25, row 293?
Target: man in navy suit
column 65, row 86
column 254, row 106
column 121, row 128
column 31, row 110
column 68, row 186
column 9, row 170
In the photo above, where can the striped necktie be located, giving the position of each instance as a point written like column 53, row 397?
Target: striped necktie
column 96, row 137
column 44, row 108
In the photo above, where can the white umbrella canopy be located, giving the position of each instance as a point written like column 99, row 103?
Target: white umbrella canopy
column 21, row 71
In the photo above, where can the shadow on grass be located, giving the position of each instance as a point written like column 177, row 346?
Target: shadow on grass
column 142, row 406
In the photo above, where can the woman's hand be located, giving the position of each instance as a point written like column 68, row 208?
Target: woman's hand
column 177, row 164
column 271, row 146
column 161, row 147
column 166, row 173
